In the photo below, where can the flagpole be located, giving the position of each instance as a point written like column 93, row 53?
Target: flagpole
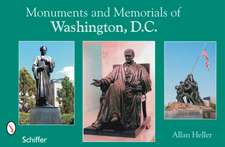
column 196, row 61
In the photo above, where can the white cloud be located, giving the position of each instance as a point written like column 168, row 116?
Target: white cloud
column 68, row 71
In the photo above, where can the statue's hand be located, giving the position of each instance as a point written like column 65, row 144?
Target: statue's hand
column 96, row 83
column 134, row 84
column 47, row 61
column 40, row 68
column 129, row 89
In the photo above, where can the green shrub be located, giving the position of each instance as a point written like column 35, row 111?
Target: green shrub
column 67, row 118
column 24, row 118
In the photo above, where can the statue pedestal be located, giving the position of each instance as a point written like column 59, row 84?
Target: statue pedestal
column 45, row 115
column 119, row 133
column 188, row 111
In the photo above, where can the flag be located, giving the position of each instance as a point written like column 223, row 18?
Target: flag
column 206, row 56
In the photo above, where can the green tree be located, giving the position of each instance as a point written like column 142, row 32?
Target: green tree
column 26, row 86
column 26, row 83
column 67, row 95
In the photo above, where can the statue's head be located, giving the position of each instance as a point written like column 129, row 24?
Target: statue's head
column 129, row 55
column 43, row 50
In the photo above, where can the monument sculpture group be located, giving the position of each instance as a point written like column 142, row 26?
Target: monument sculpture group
column 188, row 89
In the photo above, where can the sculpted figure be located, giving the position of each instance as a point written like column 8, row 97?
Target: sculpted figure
column 42, row 67
column 122, row 90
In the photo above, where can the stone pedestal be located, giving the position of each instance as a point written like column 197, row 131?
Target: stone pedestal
column 45, row 115
column 118, row 133
column 188, row 111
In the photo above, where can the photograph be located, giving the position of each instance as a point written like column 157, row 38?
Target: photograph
column 190, row 80
column 118, row 91
column 46, row 82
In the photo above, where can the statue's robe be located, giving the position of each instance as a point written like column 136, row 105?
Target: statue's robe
column 42, row 77
column 125, row 86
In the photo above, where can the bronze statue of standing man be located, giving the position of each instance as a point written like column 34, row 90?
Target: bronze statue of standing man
column 42, row 67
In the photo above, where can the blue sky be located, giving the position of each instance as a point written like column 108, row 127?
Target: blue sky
column 61, row 51
column 179, row 59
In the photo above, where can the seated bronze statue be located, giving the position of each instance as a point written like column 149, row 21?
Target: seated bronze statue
column 122, row 90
